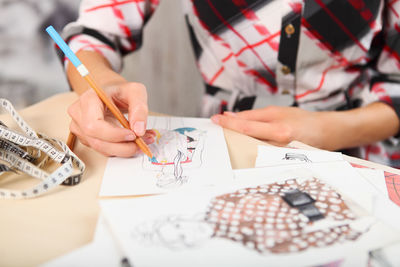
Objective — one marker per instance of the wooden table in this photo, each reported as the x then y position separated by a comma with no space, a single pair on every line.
36,230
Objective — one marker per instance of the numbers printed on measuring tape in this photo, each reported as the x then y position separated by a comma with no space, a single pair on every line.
22,152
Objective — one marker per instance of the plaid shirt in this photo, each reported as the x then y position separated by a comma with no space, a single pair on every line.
314,54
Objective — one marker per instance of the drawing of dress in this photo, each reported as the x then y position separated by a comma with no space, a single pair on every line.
175,150
260,219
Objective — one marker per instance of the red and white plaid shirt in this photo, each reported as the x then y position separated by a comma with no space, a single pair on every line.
314,54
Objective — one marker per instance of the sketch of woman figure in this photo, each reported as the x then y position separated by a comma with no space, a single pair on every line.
175,231
260,219
175,150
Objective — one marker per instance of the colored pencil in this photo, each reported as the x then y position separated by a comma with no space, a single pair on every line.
84,72
71,141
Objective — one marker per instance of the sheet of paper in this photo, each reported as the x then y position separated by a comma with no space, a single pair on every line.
343,176
275,156
338,173
376,178
356,259
101,252
190,152
387,211
246,224
387,256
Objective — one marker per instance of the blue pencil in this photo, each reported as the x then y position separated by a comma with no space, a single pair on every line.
84,72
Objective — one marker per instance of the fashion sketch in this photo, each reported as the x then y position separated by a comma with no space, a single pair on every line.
296,156
175,150
283,217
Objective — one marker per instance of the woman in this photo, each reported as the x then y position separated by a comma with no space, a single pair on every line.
335,65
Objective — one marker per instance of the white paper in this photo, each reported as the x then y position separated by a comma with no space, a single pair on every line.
387,211
343,176
376,178
191,152
339,174
101,252
275,156
356,259
386,257
170,230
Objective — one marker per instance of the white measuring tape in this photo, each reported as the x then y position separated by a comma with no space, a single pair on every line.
28,152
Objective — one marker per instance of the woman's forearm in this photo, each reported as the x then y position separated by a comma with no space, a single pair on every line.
344,129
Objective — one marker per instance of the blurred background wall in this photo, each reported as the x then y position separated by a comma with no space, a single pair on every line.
30,71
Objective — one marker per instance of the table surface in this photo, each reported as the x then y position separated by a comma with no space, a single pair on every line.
36,230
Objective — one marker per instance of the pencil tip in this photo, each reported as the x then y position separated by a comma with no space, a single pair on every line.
154,160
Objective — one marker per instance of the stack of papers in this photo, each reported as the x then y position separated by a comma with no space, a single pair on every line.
205,214
241,224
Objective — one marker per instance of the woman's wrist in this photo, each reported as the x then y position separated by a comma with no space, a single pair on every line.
357,127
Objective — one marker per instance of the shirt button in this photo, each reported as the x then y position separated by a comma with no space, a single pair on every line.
285,92
289,29
285,69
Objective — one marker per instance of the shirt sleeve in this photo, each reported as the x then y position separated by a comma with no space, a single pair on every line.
110,27
386,83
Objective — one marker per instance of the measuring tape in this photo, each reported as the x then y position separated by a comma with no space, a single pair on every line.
28,152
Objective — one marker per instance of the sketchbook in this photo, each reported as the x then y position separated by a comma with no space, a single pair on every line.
189,152
283,219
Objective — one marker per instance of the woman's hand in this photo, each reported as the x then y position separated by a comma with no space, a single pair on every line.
277,125
96,127
331,130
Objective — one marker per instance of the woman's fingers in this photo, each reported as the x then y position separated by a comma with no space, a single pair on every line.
264,114
90,121
120,149
136,98
92,124
275,132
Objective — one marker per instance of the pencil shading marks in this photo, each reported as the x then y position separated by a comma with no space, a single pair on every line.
174,151
296,156
260,219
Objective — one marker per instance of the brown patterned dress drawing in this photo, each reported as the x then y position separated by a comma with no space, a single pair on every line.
282,217
261,219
